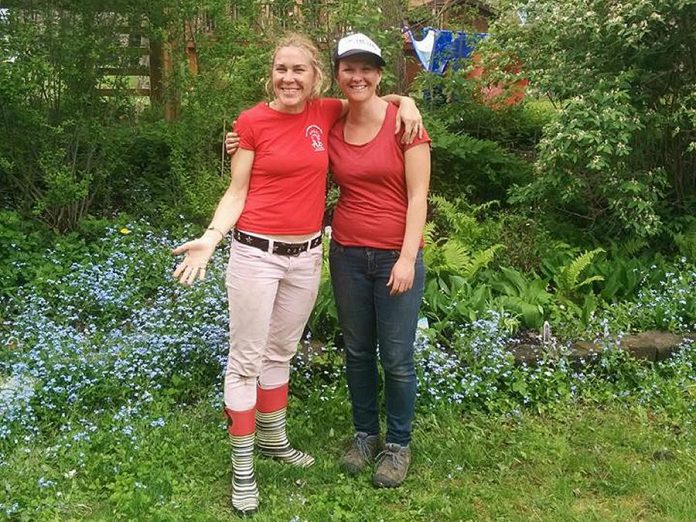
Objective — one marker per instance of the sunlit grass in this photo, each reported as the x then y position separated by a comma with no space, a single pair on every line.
574,463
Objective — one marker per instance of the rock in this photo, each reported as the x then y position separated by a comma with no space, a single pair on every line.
650,346
663,454
659,345
583,352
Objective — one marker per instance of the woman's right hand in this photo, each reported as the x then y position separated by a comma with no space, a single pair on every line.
198,253
231,142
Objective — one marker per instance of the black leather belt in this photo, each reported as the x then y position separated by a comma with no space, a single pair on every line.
279,247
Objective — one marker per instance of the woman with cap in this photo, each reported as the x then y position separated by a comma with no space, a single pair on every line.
376,259
274,205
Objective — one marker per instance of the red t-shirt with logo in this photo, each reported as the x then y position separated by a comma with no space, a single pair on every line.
287,186
371,209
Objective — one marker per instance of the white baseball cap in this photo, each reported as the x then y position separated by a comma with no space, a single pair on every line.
358,43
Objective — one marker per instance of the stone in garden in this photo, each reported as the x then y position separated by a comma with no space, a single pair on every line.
659,345
583,352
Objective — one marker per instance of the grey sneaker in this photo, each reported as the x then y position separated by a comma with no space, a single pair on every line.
362,451
392,466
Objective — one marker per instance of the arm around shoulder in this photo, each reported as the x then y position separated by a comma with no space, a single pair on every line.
409,115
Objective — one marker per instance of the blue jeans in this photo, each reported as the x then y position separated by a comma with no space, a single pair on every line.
370,317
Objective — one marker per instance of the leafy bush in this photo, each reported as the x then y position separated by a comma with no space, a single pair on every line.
457,247
55,127
20,243
525,297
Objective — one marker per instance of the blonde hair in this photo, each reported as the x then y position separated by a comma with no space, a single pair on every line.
301,42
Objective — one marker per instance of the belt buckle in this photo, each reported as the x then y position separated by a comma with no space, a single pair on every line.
295,250
290,249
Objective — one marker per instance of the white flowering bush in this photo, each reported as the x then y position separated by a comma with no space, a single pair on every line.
620,156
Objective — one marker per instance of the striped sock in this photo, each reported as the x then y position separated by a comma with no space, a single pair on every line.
245,495
271,435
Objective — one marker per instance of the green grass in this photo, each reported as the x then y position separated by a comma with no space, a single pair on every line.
584,463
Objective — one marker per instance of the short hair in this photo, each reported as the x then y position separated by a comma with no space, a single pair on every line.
301,42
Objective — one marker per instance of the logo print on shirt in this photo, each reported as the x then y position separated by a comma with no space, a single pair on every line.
314,133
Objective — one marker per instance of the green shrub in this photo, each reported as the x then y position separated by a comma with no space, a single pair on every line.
464,165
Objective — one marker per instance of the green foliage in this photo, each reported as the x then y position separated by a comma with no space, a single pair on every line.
621,275
454,99
462,164
55,128
587,166
665,299
323,323
685,238
456,249
478,150
521,295
619,159
20,245
525,238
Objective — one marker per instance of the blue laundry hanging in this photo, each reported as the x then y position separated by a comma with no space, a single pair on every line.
440,48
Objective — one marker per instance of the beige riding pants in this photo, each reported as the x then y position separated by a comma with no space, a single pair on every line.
270,299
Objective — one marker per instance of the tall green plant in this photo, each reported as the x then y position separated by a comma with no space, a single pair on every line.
568,280
525,296
574,296
457,248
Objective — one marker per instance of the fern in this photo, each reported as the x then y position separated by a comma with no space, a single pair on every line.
460,220
453,258
429,234
568,280
629,248
482,259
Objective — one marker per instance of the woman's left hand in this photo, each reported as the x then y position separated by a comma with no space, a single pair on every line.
410,117
401,277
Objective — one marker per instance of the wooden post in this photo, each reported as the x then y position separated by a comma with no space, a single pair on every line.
160,74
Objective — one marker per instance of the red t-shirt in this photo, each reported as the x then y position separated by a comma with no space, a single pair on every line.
288,177
371,209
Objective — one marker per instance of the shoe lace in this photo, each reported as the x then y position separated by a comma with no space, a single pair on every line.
361,445
394,458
